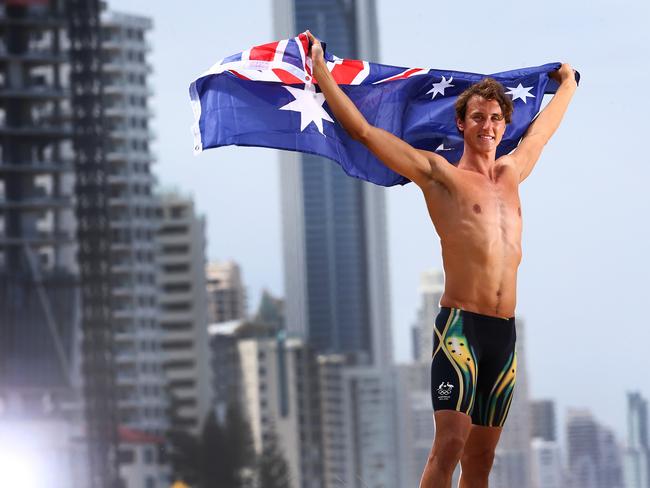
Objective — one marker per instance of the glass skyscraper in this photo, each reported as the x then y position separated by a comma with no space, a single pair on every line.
334,226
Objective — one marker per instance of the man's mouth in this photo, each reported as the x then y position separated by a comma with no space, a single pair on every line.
486,138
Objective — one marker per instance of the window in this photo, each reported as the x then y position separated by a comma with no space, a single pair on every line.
177,326
176,345
149,455
125,456
177,287
176,268
176,249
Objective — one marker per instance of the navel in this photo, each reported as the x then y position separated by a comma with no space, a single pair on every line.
477,208
519,211
498,293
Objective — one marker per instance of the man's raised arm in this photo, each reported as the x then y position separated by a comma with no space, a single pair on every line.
546,123
416,165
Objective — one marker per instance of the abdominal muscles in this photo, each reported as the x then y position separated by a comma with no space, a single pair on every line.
481,259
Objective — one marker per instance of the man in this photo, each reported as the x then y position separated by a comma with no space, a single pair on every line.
476,211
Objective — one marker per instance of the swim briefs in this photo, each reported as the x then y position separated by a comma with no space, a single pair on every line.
474,365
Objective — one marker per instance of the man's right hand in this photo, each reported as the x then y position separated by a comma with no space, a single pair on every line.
315,48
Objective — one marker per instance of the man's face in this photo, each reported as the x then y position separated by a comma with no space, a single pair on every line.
484,124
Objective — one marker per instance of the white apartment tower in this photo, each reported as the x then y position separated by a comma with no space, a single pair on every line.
183,311
594,455
546,464
142,402
275,380
415,425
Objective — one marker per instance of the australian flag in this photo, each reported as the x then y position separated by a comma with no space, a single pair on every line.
266,96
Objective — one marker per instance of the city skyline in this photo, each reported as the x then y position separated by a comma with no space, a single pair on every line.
310,407
570,262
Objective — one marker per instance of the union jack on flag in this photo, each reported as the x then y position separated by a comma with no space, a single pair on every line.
266,96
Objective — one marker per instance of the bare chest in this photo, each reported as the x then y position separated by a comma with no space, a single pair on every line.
477,211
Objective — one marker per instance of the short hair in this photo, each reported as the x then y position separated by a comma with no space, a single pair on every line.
490,89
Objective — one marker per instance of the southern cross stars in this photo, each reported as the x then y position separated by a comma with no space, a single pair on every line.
310,105
520,92
440,87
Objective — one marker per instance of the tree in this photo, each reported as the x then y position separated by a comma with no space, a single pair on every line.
226,450
183,449
273,469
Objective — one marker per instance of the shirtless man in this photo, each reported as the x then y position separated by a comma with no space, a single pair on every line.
476,211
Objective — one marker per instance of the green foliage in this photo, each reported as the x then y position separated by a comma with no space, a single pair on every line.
272,467
221,457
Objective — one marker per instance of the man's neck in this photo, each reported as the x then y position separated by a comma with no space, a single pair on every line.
479,162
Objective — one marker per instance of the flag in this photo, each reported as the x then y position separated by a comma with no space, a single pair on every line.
266,96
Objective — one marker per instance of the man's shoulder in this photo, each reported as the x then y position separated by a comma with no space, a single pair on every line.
506,165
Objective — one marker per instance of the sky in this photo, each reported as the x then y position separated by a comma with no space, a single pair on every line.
583,283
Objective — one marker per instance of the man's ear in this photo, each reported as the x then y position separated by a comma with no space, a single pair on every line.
460,124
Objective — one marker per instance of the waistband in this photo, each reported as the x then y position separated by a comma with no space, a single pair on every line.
479,316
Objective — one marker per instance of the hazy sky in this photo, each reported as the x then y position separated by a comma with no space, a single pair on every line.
583,283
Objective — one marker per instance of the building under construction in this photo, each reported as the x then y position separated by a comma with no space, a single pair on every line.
55,296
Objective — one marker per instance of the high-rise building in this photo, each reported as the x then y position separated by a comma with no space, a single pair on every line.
432,286
226,292
40,308
275,380
546,468
336,271
183,311
54,226
415,427
94,234
334,226
41,410
512,460
583,449
594,455
637,450
546,464
543,419
359,437
140,380
611,466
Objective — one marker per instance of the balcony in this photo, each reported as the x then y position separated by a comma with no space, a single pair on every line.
118,155
44,19
61,129
131,201
121,88
36,202
124,178
122,133
35,56
125,357
37,92
38,239
120,111
134,245
60,166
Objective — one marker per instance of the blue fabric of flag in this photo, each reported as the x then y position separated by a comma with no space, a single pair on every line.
231,110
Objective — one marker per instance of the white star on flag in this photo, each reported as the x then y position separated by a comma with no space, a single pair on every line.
520,92
310,105
440,87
